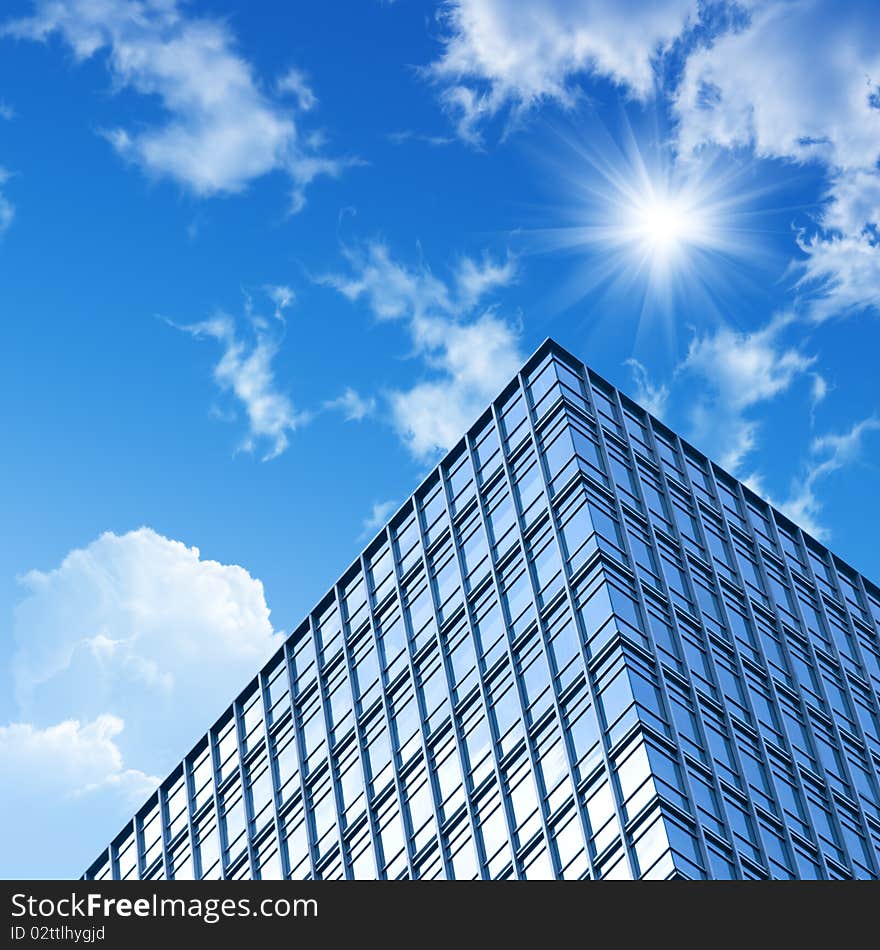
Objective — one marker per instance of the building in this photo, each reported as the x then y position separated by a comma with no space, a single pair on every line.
580,650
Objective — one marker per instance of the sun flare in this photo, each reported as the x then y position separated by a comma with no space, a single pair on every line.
665,224
658,233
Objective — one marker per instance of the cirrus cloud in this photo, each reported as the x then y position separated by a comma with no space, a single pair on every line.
245,370
739,371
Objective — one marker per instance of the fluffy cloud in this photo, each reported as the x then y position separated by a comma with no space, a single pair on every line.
800,82
121,652
474,361
245,370
474,279
738,371
499,53
72,776
140,627
391,290
222,130
470,353
84,758
795,82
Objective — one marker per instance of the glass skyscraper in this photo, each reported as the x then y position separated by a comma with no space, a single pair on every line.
580,650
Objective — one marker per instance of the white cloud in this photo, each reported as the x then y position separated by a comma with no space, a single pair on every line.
294,83
245,370
844,270
352,405
6,111
409,135
122,654
142,628
828,454
819,389
379,514
68,759
738,371
651,396
7,209
391,290
133,630
72,776
470,354
517,53
475,279
474,360
221,130
282,296
854,198
793,83
800,82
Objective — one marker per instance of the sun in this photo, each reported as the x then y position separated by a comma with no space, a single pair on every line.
654,238
664,224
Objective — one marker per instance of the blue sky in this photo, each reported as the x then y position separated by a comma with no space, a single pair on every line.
260,263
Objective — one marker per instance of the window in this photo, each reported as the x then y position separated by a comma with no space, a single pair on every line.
460,479
604,827
433,511
565,649
582,726
406,543
487,451
514,420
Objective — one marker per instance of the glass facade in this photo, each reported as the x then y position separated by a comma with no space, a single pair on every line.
580,650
